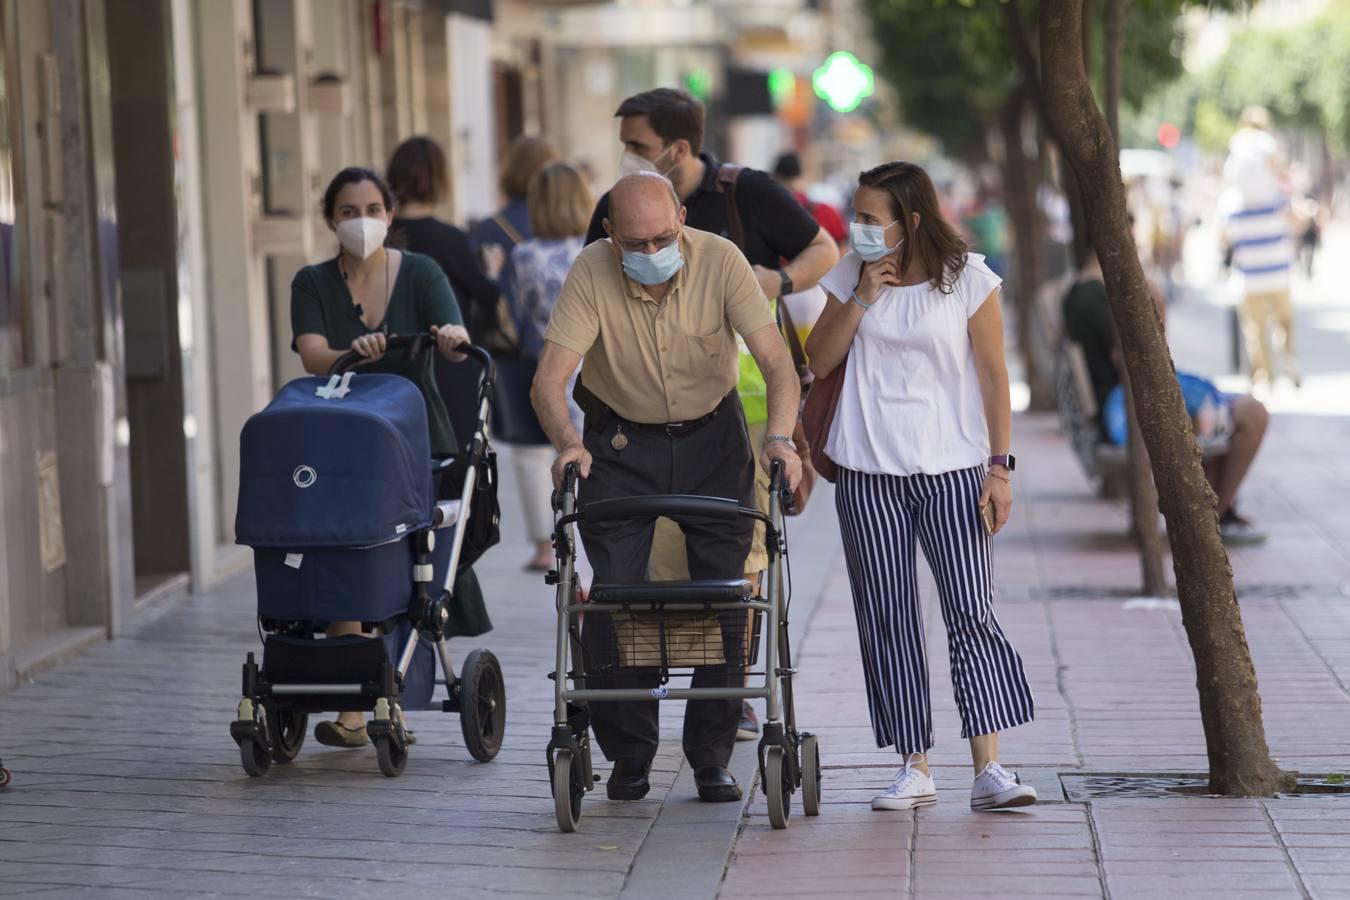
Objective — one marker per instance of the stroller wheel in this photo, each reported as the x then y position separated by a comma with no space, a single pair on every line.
4,777
287,729
254,756
482,704
567,790
810,775
392,758
778,787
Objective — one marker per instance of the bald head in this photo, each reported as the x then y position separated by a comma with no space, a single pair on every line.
643,206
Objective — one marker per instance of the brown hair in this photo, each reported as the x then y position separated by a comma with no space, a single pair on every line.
354,175
525,156
416,171
939,246
673,115
560,203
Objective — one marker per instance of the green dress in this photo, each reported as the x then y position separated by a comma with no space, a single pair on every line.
421,297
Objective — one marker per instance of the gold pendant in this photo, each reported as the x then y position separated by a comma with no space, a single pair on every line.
620,440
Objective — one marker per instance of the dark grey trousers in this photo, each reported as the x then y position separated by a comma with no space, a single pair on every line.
714,461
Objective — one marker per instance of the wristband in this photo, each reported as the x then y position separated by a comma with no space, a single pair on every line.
855,299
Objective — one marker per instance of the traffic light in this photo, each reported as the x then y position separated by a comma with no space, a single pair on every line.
843,82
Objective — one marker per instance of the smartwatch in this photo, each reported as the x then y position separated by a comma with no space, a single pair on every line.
786,280
1007,460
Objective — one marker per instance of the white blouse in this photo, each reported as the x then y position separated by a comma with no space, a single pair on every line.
911,401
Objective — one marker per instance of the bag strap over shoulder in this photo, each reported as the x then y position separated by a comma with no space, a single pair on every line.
727,173
511,231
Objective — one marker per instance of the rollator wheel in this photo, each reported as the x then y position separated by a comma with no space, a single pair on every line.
287,729
392,758
482,704
778,787
810,775
567,790
254,757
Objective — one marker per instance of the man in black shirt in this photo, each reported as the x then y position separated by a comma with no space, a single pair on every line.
662,131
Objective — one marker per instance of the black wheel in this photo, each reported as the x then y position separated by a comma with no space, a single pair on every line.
254,757
4,778
778,787
482,704
287,730
567,790
392,759
810,775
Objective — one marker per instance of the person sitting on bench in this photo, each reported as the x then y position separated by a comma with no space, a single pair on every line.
1088,322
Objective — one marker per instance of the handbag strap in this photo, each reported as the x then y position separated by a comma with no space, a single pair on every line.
794,340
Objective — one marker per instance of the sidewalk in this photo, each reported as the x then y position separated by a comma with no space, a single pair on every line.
1115,694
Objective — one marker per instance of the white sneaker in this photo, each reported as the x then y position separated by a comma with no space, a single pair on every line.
912,787
997,788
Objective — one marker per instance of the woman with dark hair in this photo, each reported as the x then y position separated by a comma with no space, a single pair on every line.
417,177
924,399
354,301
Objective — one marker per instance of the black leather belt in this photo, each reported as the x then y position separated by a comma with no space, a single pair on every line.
599,415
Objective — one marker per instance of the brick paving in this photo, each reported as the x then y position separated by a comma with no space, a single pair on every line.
127,785
1115,692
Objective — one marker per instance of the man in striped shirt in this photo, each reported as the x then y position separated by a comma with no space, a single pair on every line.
1257,228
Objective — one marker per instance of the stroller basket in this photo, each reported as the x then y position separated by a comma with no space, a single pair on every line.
650,637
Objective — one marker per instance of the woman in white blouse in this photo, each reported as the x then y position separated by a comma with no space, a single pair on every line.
915,318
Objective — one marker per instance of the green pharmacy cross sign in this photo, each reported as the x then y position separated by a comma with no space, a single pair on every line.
843,82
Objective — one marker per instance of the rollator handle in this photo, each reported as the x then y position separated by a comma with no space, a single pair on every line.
571,475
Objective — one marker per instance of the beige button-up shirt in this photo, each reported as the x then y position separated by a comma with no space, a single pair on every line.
668,361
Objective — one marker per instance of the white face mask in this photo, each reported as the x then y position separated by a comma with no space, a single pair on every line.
630,163
362,237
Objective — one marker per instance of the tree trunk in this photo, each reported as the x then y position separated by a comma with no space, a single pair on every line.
1230,705
1143,494
1019,188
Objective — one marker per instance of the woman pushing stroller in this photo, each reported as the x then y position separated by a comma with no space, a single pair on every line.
355,302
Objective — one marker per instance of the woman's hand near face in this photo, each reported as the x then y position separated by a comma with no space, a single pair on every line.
875,276
371,346
448,337
998,490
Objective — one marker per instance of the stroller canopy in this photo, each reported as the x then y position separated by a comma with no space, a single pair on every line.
348,471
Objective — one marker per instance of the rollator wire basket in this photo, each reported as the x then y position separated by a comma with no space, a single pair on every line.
637,634
657,638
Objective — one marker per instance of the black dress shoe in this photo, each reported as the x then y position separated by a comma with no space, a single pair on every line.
628,781
716,785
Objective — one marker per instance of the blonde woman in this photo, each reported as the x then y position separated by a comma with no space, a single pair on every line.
559,204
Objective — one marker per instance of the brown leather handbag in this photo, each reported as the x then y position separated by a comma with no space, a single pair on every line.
818,416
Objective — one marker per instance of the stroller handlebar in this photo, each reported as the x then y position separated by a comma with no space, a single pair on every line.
416,345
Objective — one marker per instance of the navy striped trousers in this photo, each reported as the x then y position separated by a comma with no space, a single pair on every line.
880,517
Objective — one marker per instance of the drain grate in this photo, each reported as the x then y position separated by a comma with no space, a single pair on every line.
1160,785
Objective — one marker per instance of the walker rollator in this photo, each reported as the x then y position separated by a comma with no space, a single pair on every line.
338,499
662,630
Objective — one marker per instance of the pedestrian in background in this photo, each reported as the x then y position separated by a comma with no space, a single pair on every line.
560,206
787,171
417,176
916,319
493,237
1258,228
662,131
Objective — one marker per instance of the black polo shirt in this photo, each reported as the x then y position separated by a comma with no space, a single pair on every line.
776,226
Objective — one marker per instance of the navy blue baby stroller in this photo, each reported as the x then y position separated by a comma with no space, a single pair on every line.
338,499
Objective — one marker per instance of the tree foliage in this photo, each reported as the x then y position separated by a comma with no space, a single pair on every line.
1276,68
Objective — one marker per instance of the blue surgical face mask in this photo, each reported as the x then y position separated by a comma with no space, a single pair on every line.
869,241
653,268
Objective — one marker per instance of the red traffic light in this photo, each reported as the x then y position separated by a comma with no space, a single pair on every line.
1169,135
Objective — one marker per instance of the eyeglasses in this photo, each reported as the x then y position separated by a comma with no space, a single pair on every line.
660,242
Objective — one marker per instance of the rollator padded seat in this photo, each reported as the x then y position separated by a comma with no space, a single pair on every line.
658,592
